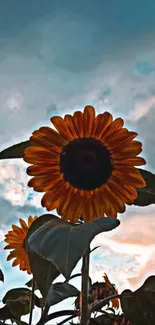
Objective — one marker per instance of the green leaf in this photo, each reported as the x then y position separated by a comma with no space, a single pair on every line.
16,151
44,271
146,195
17,293
58,241
60,291
17,303
5,313
20,306
139,306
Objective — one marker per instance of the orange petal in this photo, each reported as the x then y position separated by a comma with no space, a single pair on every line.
97,208
43,184
129,151
14,241
15,262
39,155
108,204
116,198
74,208
113,127
64,202
14,235
98,205
40,142
62,127
102,122
88,210
16,253
127,193
134,178
42,171
120,138
31,220
8,247
135,161
88,120
78,123
18,230
70,124
48,137
23,225
51,198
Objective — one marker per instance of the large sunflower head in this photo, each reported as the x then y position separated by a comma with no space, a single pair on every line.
87,167
15,239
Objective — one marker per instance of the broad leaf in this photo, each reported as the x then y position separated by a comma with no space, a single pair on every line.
15,293
139,306
20,306
146,195
1,276
110,319
58,241
60,291
17,303
5,313
19,293
16,151
44,271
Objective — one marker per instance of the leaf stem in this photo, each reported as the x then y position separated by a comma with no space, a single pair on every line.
85,290
44,316
32,301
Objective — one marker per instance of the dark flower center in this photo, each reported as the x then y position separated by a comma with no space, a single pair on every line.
85,163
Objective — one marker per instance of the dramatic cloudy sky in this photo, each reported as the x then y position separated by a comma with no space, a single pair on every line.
56,56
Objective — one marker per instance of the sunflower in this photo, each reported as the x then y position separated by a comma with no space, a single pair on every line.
86,167
115,301
15,239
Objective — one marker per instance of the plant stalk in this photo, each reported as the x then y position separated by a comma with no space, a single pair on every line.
32,301
85,289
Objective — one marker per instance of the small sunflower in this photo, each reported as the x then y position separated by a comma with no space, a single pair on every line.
115,302
86,167
15,239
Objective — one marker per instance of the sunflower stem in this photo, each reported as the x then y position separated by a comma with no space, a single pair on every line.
85,289
32,301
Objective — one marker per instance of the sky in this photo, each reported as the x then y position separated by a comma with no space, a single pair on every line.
56,57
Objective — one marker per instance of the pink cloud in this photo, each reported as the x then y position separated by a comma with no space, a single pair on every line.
141,109
148,269
138,229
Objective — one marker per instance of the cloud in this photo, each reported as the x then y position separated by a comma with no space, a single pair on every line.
61,58
11,214
136,228
141,109
121,261
146,271
127,253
